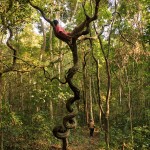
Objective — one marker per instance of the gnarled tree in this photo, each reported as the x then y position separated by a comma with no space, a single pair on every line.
69,122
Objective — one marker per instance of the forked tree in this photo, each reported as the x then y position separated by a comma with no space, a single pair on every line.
69,122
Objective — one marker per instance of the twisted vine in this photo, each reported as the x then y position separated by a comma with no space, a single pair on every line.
69,121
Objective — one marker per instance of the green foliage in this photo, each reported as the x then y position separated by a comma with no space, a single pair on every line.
146,36
141,137
15,14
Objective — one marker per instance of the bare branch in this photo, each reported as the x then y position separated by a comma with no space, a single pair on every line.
42,13
87,38
119,28
85,60
56,78
79,30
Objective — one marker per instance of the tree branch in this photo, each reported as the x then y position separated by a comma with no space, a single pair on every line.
42,13
7,27
88,20
119,28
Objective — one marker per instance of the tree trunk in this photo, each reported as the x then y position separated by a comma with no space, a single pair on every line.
51,57
85,88
44,39
91,101
106,115
74,11
99,92
129,106
1,85
51,109
101,112
22,94
65,144
107,103
1,133
51,42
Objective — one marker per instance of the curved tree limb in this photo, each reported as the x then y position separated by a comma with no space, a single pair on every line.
42,13
7,27
87,21
120,30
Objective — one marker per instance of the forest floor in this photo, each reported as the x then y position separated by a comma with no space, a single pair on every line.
81,140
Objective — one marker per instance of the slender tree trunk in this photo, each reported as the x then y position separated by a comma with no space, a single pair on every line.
1,127
51,57
130,106
101,112
51,109
44,39
10,99
91,99
74,11
85,88
86,99
106,122
51,42
87,110
107,103
60,62
120,94
99,92
22,94
1,85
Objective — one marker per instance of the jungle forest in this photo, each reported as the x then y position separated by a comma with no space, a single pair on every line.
74,74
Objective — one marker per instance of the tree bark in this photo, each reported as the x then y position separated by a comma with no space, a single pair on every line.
51,109
43,47
1,85
65,144
129,105
1,127
91,99
85,88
